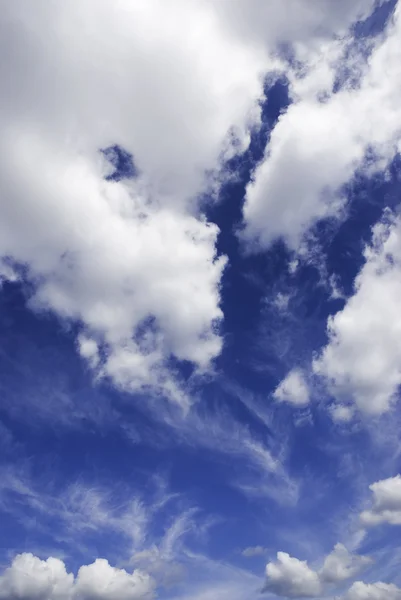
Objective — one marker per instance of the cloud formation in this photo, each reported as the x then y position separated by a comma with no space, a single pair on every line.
362,360
293,389
373,591
322,139
29,578
133,262
290,577
386,503
341,565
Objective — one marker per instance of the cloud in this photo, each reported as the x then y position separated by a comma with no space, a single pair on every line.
293,389
133,262
29,578
293,21
101,581
322,139
77,512
293,578
373,591
386,503
253,551
363,357
341,565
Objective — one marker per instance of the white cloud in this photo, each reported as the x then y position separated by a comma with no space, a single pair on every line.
134,263
29,578
386,503
341,565
100,581
295,21
373,591
362,360
33,579
317,145
292,578
293,389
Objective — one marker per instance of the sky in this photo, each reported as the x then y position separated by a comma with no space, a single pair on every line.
200,283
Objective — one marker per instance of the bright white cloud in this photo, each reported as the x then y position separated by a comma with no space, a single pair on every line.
134,263
293,389
33,579
100,581
317,145
373,591
362,360
386,503
29,578
172,83
292,578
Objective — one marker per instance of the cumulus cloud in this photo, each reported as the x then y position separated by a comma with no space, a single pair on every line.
293,389
133,262
293,578
341,565
373,591
101,581
29,578
362,360
177,86
386,503
321,140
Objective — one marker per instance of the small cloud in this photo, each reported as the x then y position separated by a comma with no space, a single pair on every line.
253,551
340,413
293,389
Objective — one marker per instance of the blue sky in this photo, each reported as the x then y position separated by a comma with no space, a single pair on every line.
200,267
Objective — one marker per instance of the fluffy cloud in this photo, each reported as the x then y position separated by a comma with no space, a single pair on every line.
362,360
293,389
373,591
100,581
386,503
321,140
341,565
29,578
134,263
293,578
33,579
174,84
